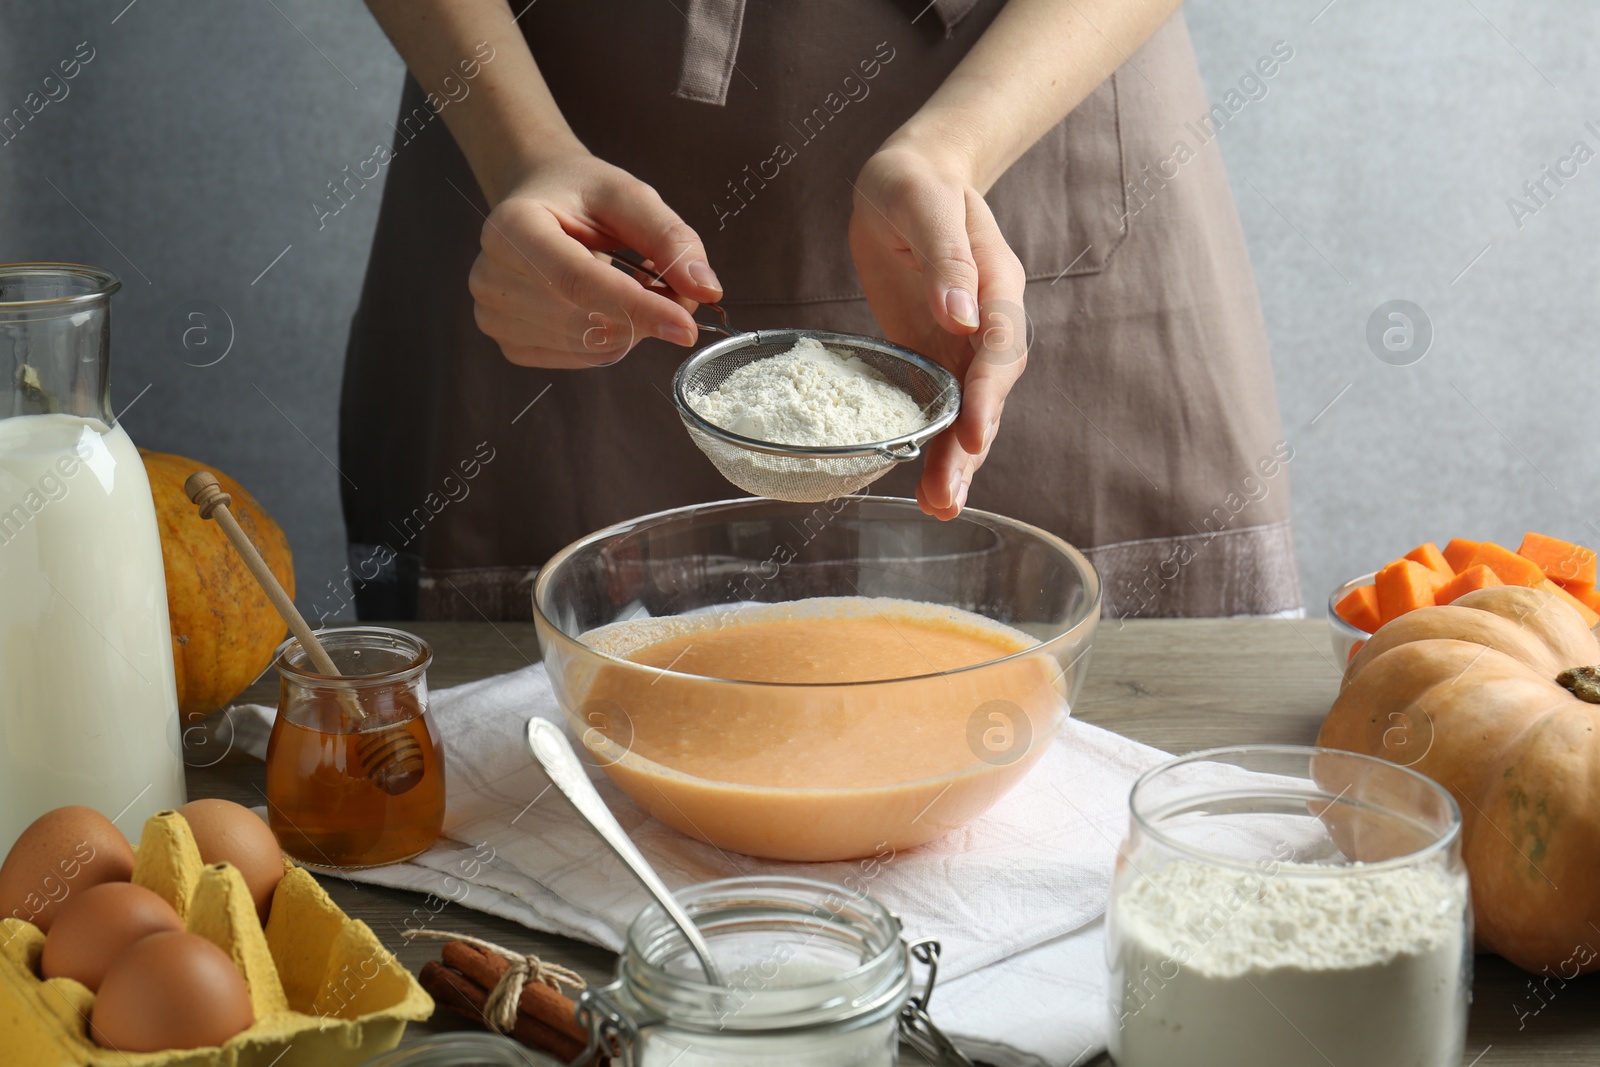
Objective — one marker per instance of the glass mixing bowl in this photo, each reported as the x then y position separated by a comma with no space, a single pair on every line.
977,730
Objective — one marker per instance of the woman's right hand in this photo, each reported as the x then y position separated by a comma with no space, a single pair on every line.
548,299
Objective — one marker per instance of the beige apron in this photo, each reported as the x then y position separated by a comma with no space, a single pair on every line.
1145,429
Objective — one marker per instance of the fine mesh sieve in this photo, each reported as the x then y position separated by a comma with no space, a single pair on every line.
799,473
806,474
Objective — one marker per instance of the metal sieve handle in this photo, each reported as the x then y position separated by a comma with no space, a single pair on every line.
628,260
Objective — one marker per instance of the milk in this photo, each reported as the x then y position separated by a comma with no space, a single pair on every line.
88,700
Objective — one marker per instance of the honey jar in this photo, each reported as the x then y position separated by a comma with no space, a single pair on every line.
355,769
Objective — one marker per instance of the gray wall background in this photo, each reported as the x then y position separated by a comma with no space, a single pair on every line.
1377,167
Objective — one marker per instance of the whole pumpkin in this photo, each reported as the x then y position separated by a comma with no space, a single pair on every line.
1497,698
224,629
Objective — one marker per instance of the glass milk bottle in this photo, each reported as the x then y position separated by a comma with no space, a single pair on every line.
88,702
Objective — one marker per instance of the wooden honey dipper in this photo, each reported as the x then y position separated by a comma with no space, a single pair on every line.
391,757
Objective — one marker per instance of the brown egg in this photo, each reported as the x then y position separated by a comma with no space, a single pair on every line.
95,926
169,991
62,852
231,833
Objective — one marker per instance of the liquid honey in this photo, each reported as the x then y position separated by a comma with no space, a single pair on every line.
325,805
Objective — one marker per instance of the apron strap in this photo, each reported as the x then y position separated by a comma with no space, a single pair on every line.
951,12
711,44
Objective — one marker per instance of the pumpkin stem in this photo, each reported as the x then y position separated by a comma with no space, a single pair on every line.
1584,683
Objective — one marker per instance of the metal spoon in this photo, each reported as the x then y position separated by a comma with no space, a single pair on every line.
554,753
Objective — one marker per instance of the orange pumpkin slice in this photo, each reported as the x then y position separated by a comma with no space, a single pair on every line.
1587,595
1590,617
1458,552
1479,577
1429,556
1406,585
1560,560
1509,567
1360,609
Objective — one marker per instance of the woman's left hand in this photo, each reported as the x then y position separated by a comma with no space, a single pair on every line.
942,281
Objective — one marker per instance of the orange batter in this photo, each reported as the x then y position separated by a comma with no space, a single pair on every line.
886,720
840,647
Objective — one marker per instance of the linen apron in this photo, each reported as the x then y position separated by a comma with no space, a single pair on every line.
1145,429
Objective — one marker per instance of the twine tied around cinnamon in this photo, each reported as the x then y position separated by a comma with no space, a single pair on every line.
500,1010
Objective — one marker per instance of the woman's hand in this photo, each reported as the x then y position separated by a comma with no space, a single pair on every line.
943,282
544,295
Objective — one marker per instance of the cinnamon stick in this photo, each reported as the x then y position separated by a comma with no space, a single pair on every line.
465,997
538,1000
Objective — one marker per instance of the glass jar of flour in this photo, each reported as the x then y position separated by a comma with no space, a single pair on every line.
1285,905
817,976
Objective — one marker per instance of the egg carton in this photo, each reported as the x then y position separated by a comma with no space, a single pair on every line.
324,989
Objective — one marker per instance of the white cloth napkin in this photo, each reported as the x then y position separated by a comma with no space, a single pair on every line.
1014,898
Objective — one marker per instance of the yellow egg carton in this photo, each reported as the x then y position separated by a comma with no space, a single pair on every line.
324,989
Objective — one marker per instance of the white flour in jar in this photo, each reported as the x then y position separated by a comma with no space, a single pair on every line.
1215,967
810,396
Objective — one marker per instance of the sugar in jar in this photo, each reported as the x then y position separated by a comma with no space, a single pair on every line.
816,976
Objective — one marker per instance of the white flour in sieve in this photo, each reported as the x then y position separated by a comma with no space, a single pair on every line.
1215,967
809,396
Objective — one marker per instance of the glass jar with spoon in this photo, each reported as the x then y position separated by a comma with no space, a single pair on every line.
355,769
349,791
748,970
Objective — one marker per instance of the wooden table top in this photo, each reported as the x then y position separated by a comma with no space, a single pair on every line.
1178,684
